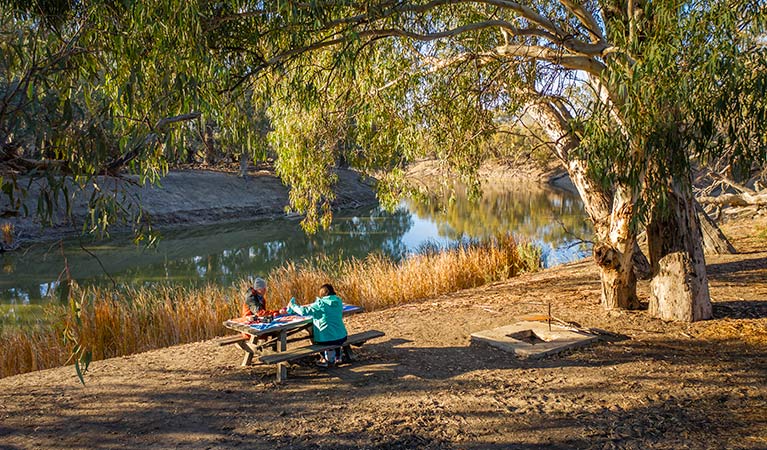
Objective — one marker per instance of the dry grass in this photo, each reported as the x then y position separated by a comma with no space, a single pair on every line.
7,231
377,282
118,323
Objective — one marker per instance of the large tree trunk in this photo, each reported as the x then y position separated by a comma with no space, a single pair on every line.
611,212
614,254
680,286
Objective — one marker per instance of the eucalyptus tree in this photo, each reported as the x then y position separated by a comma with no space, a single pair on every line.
626,92
93,90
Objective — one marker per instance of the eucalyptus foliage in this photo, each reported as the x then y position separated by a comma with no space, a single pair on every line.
93,90
643,86
93,87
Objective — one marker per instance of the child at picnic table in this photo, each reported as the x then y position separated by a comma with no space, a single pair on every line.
327,322
254,299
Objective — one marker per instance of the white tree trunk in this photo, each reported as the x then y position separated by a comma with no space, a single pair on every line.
680,286
611,212
614,254
677,294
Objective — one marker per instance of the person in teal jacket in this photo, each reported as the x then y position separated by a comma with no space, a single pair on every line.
327,321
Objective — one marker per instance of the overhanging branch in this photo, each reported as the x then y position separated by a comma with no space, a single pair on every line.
538,52
572,54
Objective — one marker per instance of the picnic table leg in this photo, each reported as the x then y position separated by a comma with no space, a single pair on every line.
282,368
247,347
348,353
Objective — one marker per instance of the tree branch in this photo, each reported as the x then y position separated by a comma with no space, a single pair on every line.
586,18
587,64
548,29
114,166
744,199
180,118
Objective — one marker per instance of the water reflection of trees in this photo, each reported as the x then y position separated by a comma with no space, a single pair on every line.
553,216
224,254
220,254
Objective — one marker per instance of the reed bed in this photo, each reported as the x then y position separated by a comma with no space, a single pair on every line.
122,322
376,282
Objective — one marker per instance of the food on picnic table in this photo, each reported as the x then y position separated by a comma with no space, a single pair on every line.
267,313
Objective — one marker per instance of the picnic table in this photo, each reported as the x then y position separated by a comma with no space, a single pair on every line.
272,338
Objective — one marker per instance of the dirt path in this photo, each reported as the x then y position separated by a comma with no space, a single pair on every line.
424,386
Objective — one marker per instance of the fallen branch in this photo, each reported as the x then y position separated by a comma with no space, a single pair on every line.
725,180
744,199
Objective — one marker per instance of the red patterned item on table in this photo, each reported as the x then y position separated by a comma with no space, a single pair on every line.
245,320
288,318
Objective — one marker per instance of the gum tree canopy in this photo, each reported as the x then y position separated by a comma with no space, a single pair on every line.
626,93
93,90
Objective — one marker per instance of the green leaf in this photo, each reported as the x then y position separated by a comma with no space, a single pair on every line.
79,372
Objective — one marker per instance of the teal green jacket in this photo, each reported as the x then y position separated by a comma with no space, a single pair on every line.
327,317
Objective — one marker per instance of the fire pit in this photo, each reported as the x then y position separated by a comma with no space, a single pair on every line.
534,339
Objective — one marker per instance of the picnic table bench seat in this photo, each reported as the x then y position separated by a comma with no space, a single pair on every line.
231,340
356,340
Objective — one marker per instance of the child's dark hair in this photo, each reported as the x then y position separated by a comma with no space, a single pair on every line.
327,289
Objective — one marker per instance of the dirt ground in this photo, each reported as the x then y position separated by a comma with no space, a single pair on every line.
425,386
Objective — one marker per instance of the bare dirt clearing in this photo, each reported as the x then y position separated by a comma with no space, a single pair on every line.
667,385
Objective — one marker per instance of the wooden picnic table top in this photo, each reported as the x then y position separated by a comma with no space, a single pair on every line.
279,324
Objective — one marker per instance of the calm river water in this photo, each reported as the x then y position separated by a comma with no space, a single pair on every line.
224,254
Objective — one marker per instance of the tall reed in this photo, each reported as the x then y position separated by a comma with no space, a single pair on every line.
116,323
376,282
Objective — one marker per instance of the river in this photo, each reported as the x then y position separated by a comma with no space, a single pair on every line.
225,254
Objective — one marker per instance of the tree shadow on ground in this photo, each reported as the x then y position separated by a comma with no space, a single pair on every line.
509,403
441,363
745,309
721,269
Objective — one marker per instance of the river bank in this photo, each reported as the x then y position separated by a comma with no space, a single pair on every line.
424,385
429,173
192,198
